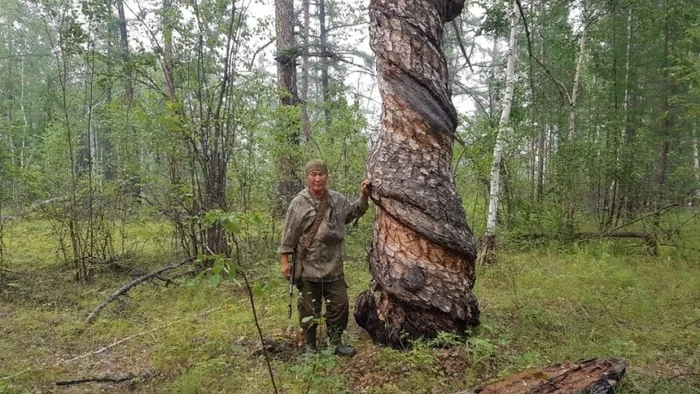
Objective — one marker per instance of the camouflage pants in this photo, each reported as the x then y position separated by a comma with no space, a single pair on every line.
313,295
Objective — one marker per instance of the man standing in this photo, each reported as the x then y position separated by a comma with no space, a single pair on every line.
314,230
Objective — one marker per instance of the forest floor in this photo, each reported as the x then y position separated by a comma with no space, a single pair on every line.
539,306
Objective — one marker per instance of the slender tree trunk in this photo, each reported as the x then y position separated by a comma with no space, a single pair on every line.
288,183
573,101
577,74
492,79
168,50
304,90
423,252
107,138
542,136
323,36
621,156
668,119
696,165
124,43
489,245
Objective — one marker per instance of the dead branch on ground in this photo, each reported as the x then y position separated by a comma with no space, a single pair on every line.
124,289
601,376
104,379
650,240
119,342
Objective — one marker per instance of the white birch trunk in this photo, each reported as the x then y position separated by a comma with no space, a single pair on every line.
577,74
495,186
492,78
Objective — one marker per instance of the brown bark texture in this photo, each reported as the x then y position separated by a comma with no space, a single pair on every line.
288,184
286,52
423,251
592,376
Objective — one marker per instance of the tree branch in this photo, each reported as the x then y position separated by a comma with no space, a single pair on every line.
461,44
131,284
104,379
560,86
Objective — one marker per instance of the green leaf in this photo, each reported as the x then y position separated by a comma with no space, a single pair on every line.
214,280
218,266
234,226
307,319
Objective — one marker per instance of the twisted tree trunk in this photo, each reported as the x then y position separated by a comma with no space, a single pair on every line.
423,252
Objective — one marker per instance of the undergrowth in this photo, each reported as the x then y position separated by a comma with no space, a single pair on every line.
541,305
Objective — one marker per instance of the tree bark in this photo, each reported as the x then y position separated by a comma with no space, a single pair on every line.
593,376
423,251
168,23
288,184
124,43
487,256
304,89
577,73
696,164
617,188
323,36
542,137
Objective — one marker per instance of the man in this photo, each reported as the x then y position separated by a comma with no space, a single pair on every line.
319,246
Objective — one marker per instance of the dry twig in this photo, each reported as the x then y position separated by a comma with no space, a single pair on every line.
133,283
104,379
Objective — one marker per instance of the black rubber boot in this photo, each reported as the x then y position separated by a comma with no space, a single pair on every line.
310,340
337,343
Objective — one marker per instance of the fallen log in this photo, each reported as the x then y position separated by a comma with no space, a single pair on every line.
592,376
133,283
104,379
650,240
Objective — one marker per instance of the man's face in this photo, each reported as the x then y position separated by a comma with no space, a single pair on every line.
316,180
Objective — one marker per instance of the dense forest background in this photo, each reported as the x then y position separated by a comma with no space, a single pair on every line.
134,134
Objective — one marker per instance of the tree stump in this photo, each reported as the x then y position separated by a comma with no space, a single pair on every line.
592,376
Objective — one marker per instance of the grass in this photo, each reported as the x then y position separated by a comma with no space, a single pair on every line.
539,306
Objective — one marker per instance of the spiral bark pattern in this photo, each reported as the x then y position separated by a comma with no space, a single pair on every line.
423,251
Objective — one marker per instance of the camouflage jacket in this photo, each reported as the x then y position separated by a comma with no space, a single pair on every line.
324,258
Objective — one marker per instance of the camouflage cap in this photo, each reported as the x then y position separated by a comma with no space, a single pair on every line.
315,165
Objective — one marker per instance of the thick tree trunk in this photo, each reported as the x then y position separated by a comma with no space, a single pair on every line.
288,184
423,252
487,251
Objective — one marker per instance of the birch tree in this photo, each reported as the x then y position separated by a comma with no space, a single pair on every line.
423,251
487,256
577,74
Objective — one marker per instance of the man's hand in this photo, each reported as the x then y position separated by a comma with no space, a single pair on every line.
365,186
285,267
